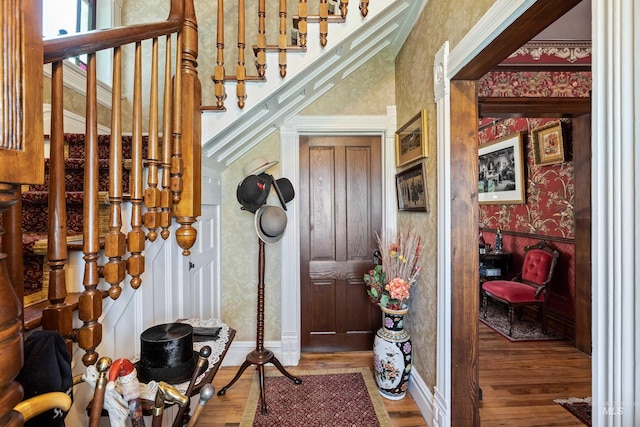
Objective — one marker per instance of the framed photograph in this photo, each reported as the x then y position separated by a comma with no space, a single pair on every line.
501,171
548,144
411,140
411,189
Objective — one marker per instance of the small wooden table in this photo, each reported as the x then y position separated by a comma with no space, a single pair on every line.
494,266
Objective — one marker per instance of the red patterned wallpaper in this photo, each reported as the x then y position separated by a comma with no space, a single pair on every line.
549,206
549,203
538,84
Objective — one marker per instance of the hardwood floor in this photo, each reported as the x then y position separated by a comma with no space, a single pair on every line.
519,381
226,411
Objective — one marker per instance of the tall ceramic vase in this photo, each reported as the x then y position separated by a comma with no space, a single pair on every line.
392,355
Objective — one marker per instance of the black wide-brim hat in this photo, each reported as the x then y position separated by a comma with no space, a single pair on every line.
166,354
284,190
253,191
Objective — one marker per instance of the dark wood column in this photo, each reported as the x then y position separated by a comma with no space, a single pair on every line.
464,253
582,216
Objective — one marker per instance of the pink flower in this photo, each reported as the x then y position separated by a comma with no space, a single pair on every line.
398,289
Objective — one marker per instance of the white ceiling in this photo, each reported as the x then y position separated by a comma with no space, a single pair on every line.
574,25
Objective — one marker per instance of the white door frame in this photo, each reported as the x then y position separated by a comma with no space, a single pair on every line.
385,127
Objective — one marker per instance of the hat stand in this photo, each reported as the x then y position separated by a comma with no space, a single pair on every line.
260,356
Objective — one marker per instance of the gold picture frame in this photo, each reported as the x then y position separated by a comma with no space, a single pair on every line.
548,144
411,140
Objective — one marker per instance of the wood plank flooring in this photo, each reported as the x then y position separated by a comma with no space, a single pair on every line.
226,411
519,381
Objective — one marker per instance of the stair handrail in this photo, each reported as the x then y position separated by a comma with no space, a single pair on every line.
182,185
70,45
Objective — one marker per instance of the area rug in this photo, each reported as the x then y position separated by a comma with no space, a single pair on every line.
523,329
580,408
328,397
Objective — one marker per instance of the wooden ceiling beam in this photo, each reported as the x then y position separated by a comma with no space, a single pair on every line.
533,107
538,17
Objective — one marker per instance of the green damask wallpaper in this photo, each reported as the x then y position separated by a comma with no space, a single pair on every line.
441,20
366,91
405,81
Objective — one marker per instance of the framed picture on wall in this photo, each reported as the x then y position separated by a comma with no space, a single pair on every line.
411,140
548,144
501,171
411,189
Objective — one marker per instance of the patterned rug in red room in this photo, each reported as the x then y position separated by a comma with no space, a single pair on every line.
580,408
327,397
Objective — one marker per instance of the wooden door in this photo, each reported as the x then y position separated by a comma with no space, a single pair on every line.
340,211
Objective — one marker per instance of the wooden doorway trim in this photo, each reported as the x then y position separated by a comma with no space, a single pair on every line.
382,125
504,28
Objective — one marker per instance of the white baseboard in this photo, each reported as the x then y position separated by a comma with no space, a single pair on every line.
422,396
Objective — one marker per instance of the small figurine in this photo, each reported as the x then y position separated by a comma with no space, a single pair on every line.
497,245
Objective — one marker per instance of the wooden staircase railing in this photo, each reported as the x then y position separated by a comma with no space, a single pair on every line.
326,14
173,175
179,192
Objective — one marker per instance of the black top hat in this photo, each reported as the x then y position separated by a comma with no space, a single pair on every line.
285,191
166,353
253,191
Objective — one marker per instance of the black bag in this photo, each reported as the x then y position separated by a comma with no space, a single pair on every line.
47,367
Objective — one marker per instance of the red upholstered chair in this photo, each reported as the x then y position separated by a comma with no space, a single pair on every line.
529,288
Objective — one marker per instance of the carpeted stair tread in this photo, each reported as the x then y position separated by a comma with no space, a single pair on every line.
35,211
43,197
29,240
75,143
35,200
74,175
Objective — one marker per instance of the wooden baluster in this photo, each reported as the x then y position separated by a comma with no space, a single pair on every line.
364,7
344,8
189,207
241,90
302,23
324,23
177,165
282,39
58,316
136,236
90,303
165,193
115,240
152,193
218,72
261,56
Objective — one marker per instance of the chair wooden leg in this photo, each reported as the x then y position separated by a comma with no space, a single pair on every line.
485,303
512,315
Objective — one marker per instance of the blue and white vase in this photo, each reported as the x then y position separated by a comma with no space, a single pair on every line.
392,355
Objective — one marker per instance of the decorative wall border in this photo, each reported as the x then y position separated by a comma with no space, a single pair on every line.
551,52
